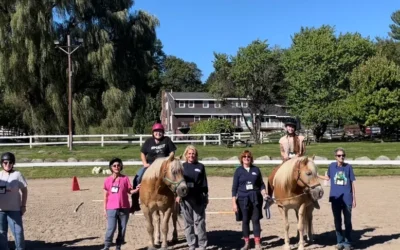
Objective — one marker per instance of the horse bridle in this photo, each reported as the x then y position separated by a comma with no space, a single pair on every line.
307,188
174,184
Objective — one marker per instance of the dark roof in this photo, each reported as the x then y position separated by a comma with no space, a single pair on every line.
272,110
191,95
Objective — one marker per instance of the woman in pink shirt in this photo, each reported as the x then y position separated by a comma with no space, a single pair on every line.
117,187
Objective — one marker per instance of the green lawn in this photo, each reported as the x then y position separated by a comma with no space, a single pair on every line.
353,150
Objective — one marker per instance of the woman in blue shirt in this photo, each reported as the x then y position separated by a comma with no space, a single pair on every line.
248,191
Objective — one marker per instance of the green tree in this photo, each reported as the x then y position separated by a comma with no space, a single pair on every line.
180,75
253,75
395,27
317,67
375,93
212,126
390,49
109,72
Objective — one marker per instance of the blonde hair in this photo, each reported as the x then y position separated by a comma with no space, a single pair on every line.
190,147
153,171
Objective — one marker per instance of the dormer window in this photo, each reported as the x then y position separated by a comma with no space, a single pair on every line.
217,105
244,105
181,104
205,104
191,104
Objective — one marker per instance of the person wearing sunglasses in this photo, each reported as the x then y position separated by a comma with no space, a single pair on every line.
248,192
157,146
13,197
117,188
342,197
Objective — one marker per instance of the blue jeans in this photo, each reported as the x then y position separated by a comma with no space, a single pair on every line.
339,207
138,178
116,217
12,219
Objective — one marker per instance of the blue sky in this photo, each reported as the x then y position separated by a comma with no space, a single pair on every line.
193,30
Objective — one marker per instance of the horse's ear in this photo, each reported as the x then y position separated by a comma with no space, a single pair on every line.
313,157
171,158
182,158
304,160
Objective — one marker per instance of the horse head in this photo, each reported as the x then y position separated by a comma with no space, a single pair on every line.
305,174
172,176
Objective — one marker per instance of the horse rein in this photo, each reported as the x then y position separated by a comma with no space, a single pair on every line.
175,184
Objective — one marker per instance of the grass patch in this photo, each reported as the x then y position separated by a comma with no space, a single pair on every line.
129,152
222,171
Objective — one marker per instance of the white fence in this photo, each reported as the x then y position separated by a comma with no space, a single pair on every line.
35,140
208,163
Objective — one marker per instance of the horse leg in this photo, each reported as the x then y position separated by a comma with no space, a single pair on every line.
150,229
156,223
308,220
164,228
174,221
283,211
300,226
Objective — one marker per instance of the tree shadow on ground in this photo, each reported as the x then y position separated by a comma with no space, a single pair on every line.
62,245
328,239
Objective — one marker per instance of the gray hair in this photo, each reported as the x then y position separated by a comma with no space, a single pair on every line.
339,149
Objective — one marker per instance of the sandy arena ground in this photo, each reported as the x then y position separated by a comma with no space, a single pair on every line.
50,221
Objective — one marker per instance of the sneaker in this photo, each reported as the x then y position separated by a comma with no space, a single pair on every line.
339,247
105,248
348,248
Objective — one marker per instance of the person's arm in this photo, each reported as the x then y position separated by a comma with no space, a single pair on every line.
235,186
328,177
260,180
144,160
24,192
353,186
303,146
105,202
171,147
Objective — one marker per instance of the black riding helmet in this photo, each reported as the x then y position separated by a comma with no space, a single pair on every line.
7,156
291,122
114,160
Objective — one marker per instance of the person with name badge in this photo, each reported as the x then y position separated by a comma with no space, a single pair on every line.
248,193
194,204
291,144
342,198
117,188
13,198
157,146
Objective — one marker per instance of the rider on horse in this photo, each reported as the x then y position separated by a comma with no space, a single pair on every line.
291,145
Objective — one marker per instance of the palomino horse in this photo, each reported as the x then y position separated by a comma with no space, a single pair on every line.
296,186
161,183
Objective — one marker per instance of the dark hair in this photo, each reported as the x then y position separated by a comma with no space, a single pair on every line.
114,160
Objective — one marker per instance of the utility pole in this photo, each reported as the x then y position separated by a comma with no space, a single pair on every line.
69,50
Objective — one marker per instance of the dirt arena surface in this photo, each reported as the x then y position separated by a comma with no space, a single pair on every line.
50,221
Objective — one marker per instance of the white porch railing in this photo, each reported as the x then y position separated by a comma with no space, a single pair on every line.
34,140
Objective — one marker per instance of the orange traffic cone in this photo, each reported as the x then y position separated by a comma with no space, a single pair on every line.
75,184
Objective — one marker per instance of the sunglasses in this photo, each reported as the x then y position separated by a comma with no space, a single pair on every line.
116,165
340,155
247,156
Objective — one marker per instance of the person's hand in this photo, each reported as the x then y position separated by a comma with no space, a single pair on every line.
146,165
178,199
234,207
105,213
354,203
266,197
23,210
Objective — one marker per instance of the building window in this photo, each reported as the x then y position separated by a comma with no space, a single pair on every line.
238,104
181,104
244,105
217,104
196,118
241,119
191,104
166,106
205,104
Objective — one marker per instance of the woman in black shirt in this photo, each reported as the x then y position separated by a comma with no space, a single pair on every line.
194,204
248,191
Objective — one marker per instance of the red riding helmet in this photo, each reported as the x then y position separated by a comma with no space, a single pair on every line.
157,126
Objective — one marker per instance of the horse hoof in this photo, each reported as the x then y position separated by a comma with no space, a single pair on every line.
151,248
164,248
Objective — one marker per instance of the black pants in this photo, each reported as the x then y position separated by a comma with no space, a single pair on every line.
250,212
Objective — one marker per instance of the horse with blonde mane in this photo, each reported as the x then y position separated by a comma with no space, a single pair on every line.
160,185
296,186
